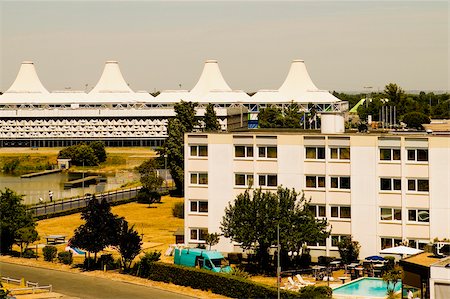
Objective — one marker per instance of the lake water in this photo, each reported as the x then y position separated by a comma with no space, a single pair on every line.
34,188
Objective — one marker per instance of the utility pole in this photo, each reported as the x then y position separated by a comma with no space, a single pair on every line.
278,257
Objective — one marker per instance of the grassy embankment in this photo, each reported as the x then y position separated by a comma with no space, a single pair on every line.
156,223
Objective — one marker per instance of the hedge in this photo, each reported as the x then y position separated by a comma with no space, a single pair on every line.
224,284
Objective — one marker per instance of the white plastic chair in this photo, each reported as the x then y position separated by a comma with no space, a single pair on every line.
303,282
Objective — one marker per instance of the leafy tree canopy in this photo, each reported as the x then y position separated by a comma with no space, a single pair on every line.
85,154
415,120
251,219
210,119
129,244
348,249
15,222
101,227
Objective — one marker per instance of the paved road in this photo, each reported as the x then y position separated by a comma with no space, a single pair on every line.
82,286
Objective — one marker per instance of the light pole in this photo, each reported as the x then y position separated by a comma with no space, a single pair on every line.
83,179
278,259
165,170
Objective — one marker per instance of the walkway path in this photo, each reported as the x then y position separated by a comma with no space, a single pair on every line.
83,286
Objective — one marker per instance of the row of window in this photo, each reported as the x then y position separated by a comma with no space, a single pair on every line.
340,212
393,184
394,154
414,215
199,235
386,242
336,182
386,214
315,153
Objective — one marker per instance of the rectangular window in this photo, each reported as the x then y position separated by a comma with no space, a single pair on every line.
313,181
199,206
198,234
269,152
390,154
242,151
199,151
243,179
389,214
390,184
342,182
318,210
420,155
315,153
341,212
199,178
335,239
388,242
419,185
269,180
340,153
419,215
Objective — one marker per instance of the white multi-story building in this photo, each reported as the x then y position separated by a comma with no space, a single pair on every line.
380,188
30,115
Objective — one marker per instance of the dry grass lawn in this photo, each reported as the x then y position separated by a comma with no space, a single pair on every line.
156,223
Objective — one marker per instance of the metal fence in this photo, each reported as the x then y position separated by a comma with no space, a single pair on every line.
81,202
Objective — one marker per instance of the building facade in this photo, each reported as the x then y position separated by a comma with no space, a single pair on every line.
382,189
32,116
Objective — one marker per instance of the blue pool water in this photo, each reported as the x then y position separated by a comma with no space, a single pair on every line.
367,286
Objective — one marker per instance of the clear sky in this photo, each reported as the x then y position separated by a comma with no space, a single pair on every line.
346,45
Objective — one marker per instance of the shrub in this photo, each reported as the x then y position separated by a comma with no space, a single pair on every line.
29,253
222,283
148,197
65,257
142,267
239,273
318,292
305,260
89,263
324,260
49,253
178,210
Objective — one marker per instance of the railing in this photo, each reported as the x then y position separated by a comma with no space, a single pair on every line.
30,286
81,202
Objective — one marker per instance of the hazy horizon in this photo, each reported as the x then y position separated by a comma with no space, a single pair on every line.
346,45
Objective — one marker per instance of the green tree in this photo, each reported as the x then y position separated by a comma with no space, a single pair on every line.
270,117
392,277
101,227
212,239
185,113
211,122
251,219
184,121
150,181
348,249
415,120
129,244
292,116
99,150
25,236
394,93
80,154
15,222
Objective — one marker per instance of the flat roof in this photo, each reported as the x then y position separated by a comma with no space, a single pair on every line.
423,259
283,131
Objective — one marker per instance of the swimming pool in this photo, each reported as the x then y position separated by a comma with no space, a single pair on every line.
368,286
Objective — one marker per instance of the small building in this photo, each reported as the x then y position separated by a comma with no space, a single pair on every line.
179,235
64,163
427,276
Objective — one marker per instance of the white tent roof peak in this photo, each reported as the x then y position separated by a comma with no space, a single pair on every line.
210,79
27,80
297,80
111,80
